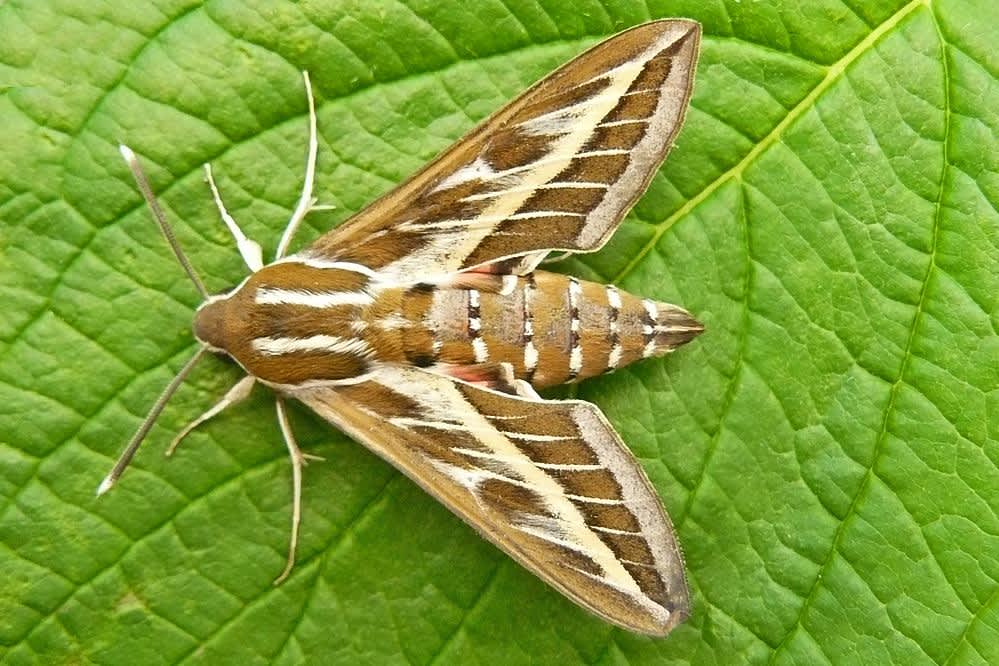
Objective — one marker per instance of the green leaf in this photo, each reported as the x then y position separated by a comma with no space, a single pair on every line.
829,449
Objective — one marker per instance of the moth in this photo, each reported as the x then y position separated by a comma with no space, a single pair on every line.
421,326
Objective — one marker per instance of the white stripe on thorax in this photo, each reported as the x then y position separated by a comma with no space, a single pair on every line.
314,299
276,346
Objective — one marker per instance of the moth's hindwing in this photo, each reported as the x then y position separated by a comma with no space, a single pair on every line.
549,482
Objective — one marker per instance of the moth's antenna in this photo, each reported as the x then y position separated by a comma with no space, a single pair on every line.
154,208
147,423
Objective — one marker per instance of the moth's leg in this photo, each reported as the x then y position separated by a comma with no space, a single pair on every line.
236,394
298,460
306,203
250,250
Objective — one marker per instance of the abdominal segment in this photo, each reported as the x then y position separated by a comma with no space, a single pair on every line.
550,328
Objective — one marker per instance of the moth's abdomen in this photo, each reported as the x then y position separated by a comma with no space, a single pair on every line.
551,328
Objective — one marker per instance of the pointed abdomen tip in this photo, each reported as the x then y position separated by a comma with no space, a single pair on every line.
676,326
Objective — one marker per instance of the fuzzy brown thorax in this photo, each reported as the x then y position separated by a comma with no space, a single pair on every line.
291,323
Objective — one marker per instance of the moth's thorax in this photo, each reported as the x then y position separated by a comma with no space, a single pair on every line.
292,323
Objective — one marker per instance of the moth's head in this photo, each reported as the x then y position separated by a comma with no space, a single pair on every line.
210,323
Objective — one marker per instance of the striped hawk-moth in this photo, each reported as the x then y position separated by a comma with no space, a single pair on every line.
422,327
